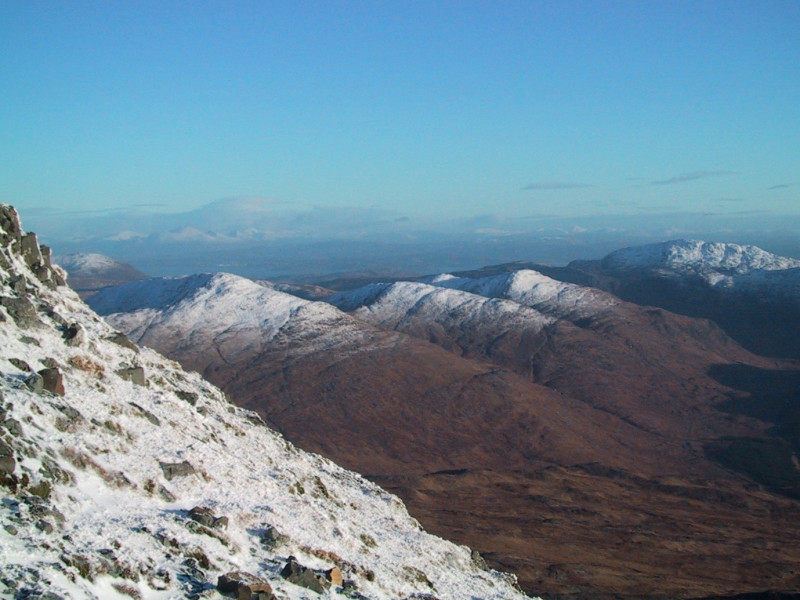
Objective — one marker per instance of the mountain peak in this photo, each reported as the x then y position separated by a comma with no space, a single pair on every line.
698,255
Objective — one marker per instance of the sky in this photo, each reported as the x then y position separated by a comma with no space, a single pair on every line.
430,111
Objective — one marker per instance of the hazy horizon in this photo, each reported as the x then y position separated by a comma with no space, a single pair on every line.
419,127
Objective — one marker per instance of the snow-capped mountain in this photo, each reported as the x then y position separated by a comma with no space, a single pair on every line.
532,289
698,256
527,432
405,305
124,476
752,294
89,272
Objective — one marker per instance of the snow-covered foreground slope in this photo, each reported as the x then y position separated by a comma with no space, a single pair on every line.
99,478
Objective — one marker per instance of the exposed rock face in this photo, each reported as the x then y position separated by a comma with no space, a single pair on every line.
245,586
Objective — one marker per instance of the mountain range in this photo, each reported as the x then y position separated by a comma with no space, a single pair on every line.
595,445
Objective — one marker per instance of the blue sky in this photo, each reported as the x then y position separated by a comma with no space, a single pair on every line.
438,110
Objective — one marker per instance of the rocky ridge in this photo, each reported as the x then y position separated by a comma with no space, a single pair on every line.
124,476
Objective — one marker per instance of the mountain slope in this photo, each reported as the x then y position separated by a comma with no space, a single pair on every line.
106,451
752,294
599,488
89,272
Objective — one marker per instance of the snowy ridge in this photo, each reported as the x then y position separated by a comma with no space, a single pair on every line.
696,255
236,316
98,480
87,262
398,304
531,288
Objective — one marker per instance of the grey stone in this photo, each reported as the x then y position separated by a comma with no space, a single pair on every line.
75,335
21,310
244,586
297,574
189,397
271,538
18,283
133,374
120,339
13,427
146,414
10,227
7,461
35,383
173,470
205,516
29,248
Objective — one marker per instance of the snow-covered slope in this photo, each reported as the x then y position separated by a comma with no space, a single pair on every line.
99,478
227,314
402,304
698,256
531,288
90,272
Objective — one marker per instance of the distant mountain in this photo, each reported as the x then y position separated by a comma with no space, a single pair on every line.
752,294
123,476
595,447
89,272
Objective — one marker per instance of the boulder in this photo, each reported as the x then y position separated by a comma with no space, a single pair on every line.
21,310
205,516
133,374
271,538
29,248
305,577
120,339
244,586
10,226
173,470
75,334
7,461
52,381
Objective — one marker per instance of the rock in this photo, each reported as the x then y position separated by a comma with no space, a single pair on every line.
297,574
52,381
205,516
334,575
7,461
20,364
478,560
173,470
189,397
13,427
29,248
146,414
75,335
18,283
244,586
21,310
133,374
35,383
10,226
271,538
120,339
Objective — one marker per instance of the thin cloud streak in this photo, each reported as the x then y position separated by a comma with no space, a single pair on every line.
691,177
555,185
781,186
